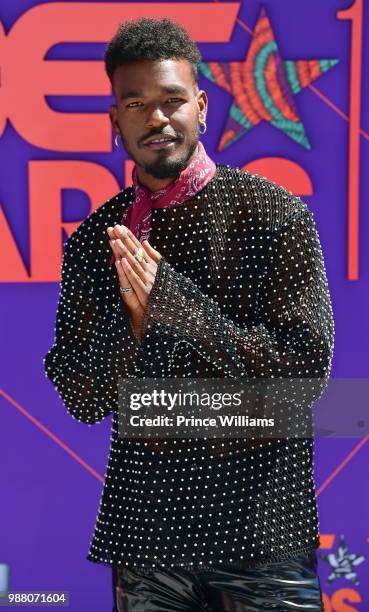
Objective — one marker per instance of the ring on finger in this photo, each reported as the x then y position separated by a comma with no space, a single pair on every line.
139,254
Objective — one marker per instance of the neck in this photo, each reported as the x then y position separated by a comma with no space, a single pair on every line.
155,184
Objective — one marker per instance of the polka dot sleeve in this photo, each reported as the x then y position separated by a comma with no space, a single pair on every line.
86,359
293,336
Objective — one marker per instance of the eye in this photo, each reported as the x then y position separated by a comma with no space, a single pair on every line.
138,104
133,104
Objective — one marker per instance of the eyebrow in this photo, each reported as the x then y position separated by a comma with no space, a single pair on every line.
169,89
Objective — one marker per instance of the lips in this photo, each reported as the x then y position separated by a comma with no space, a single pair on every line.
159,137
160,142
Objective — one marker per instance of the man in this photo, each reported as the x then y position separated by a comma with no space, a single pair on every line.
197,271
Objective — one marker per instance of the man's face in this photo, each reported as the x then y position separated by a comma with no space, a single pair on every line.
158,99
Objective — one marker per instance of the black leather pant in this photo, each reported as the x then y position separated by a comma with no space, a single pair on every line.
282,586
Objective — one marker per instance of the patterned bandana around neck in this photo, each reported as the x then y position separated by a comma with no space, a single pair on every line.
192,179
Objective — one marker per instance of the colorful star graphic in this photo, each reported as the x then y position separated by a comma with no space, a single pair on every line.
263,86
342,563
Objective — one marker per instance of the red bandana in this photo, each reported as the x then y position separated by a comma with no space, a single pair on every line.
137,217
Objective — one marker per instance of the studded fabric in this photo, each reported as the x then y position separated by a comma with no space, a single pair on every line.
241,291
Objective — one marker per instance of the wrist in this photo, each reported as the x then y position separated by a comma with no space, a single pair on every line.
136,324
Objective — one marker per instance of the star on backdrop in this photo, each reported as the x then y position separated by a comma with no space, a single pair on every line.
342,563
263,86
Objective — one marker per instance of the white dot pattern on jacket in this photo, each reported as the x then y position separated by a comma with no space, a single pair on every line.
241,291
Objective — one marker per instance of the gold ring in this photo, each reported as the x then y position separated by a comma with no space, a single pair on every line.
139,254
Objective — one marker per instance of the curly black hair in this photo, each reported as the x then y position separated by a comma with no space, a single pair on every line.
147,38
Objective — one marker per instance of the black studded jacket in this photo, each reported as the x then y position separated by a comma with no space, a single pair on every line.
241,292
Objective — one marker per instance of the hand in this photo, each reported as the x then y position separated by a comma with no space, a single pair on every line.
139,276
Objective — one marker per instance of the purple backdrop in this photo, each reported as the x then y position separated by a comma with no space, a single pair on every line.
50,492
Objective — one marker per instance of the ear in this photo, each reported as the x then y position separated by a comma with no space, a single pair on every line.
113,114
202,104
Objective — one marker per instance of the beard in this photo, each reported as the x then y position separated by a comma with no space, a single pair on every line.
165,167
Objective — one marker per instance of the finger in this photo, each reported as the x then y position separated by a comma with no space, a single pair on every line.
140,288
112,243
115,250
126,247
128,238
123,280
111,235
142,272
128,297
140,267
123,232
116,247
153,253
148,274
146,271
122,277
130,235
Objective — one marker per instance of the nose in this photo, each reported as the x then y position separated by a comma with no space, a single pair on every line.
156,117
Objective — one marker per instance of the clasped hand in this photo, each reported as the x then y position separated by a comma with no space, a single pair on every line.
139,276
